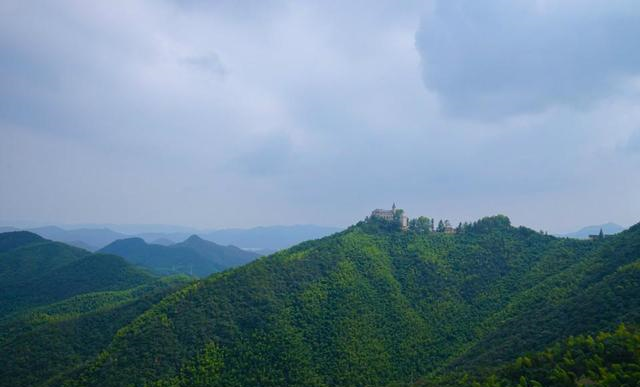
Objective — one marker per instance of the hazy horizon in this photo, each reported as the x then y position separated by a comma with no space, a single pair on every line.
133,229
242,114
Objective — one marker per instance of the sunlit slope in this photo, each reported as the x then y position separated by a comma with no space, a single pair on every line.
368,306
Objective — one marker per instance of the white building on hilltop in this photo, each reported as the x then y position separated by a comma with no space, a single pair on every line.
393,215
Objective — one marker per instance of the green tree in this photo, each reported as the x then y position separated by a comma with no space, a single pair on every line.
421,224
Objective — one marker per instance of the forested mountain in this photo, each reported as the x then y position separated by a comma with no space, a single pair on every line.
604,359
88,238
375,306
60,305
223,256
162,259
35,271
194,256
47,341
263,240
14,239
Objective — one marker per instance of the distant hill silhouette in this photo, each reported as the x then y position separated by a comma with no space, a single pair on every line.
223,256
194,256
271,238
607,229
262,240
163,242
90,239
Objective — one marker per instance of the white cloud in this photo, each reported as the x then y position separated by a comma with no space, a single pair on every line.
224,114
502,57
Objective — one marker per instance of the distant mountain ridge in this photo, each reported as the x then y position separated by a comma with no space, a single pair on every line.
194,256
607,228
36,271
262,240
90,239
270,238
223,256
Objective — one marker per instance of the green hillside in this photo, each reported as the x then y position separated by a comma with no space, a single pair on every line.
48,341
374,306
14,239
370,306
604,359
35,271
24,256
600,291
60,305
194,256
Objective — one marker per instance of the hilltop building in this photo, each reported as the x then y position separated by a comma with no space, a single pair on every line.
392,215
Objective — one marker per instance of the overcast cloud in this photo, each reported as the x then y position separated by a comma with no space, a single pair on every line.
503,57
255,113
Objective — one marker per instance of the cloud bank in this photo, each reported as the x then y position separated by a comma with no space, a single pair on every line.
246,113
497,58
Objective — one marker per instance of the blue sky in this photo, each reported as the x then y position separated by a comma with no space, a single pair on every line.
220,114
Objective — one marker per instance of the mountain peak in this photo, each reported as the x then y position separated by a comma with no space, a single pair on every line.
134,240
194,238
13,239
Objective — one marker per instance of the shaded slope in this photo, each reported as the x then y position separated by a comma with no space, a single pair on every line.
14,239
25,256
604,359
162,259
51,340
223,256
98,272
35,271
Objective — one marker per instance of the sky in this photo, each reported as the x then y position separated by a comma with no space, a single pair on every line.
245,113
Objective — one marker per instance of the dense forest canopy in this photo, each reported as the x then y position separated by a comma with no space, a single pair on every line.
370,306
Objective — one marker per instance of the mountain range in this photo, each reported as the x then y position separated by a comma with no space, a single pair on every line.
372,305
35,271
262,240
194,256
269,239
607,229
60,305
